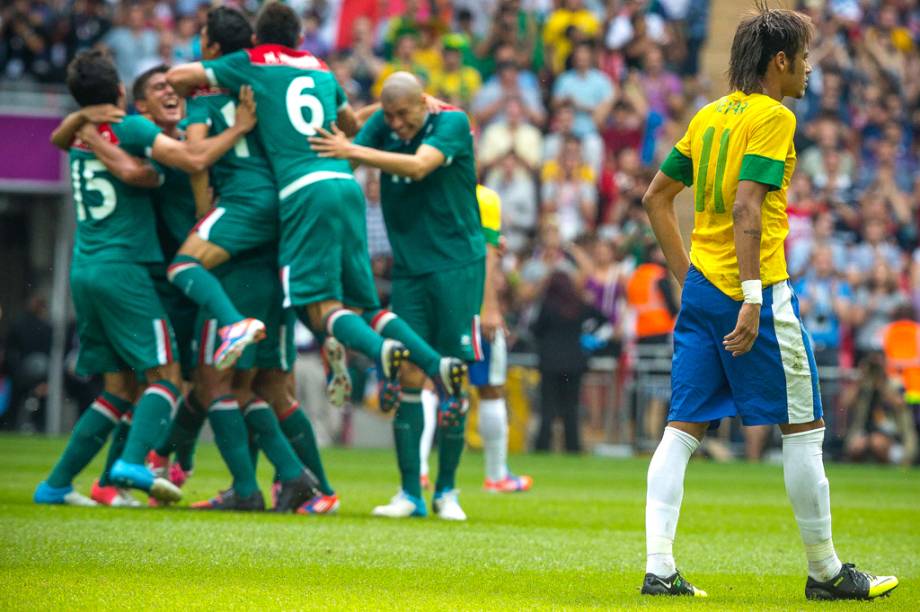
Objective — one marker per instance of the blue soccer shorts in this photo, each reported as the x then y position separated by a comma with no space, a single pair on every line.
492,369
776,382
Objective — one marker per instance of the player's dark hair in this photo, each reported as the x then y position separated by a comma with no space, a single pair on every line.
277,24
139,89
760,36
229,28
93,79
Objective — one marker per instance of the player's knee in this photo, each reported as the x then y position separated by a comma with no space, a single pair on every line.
491,392
122,385
170,372
318,311
411,376
697,430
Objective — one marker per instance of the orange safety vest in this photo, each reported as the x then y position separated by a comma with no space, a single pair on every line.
642,293
901,343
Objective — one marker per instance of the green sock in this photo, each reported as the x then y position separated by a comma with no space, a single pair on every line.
253,452
151,418
116,448
233,443
451,441
391,326
182,435
203,288
263,424
407,433
354,332
88,437
299,432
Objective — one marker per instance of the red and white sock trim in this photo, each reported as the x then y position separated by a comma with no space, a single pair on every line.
381,320
223,403
178,268
208,340
164,341
334,316
476,336
256,404
165,392
294,408
412,398
106,409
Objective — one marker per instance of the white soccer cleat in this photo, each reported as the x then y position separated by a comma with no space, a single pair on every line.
338,380
402,505
165,491
75,498
448,507
126,500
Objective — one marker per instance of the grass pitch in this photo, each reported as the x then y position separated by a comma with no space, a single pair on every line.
575,541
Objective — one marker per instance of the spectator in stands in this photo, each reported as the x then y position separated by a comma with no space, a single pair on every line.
569,192
489,105
592,147
658,83
403,59
313,40
569,23
89,23
876,246
455,83
882,426
587,89
876,302
364,64
605,283
511,135
825,304
135,46
511,28
558,330
514,183
24,38
827,134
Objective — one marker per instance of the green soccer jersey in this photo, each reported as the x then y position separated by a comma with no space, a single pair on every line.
113,218
244,168
295,93
174,204
432,224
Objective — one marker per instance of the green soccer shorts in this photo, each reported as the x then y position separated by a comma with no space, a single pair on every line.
255,289
121,322
324,245
237,226
443,308
182,313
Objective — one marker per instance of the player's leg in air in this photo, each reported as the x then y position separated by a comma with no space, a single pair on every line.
277,387
489,376
321,233
190,272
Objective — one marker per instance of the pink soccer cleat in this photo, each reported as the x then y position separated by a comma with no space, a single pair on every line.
234,340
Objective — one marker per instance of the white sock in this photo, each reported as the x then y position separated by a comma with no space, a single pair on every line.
809,492
430,410
662,502
493,427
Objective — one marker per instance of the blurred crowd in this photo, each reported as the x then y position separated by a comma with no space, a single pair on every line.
575,103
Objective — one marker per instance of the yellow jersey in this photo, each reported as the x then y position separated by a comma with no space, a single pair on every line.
737,137
490,212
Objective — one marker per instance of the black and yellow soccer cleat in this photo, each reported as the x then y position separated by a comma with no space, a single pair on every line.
850,583
674,584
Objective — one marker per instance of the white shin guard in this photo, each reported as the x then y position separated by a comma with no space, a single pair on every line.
430,412
493,427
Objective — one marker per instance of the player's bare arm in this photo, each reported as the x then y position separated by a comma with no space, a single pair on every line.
185,78
746,216
416,167
200,181
432,104
659,204
196,157
124,166
64,134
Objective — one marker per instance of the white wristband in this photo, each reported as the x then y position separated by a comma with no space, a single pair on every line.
753,291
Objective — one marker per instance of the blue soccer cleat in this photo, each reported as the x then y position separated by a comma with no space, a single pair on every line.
46,494
138,476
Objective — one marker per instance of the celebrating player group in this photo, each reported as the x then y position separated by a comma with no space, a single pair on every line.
207,227
227,210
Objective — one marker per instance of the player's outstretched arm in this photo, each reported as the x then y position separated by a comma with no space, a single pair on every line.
64,134
659,204
187,77
747,217
192,157
416,167
124,166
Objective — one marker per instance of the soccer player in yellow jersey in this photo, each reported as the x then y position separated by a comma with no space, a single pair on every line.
739,345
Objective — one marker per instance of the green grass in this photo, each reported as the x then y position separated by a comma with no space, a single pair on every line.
575,541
